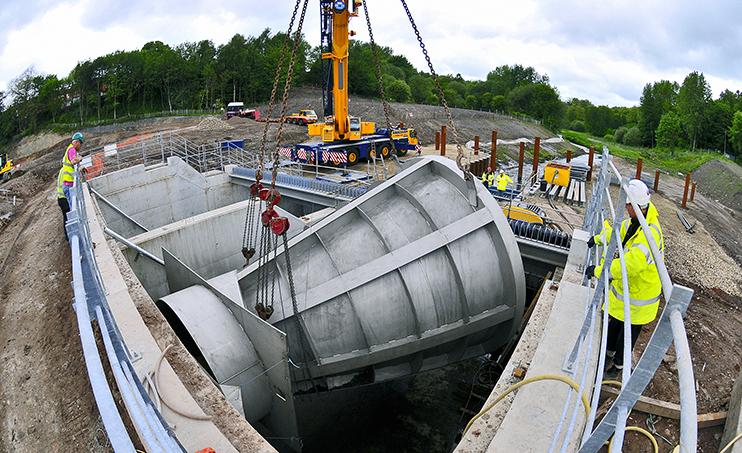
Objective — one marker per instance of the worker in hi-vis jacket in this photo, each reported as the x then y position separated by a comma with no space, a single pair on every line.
644,282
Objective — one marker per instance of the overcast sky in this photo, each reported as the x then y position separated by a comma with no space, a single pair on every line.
604,51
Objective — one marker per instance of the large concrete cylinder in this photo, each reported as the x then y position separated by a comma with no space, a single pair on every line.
421,271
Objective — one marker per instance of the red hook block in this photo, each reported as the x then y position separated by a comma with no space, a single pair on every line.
279,225
268,215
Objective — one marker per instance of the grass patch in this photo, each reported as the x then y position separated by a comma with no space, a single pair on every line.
682,160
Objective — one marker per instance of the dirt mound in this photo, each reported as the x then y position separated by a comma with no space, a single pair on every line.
35,143
722,181
213,124
426,119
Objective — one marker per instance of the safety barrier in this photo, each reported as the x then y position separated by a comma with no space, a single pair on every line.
669,329
328,187
156,148
90,303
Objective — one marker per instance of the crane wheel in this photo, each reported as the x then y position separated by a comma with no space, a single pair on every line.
352,157
385,151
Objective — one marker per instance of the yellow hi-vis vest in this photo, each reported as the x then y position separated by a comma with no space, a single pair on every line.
488,179
66,173
502,181
645,286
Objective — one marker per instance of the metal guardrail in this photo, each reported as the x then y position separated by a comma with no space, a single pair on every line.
669,329
157,148
328,187
90,303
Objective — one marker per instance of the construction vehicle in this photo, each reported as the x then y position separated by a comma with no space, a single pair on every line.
238,109
345,139
304,117
6,168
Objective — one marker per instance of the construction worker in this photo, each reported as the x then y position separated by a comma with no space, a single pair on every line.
488,178
503,180
641,269
66,176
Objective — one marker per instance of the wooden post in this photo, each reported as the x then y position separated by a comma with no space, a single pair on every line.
443,140
656,180
639,163
476,145
693,191
521,156
536,148
685,190
569,156
590,157
493,154
437,140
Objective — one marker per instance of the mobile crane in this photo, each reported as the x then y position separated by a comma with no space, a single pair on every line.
345,139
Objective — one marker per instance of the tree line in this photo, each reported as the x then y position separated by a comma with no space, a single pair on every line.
202,76
669,116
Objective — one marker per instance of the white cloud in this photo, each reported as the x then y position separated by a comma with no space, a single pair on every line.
604,52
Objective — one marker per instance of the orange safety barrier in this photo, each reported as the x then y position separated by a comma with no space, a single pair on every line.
97,167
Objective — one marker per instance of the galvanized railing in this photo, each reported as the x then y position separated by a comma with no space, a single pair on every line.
157,148
669,329
90,303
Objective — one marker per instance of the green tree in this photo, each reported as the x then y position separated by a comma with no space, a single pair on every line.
620,134
693,99
499,103
657,99
735,133
540,101
670,131
633,137
421,88
577,125
399,91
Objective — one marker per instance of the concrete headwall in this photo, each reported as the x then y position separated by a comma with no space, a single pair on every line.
209,243
163,194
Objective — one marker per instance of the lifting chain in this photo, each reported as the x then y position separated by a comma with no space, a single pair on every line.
377,63
299,326
285,99
250,233
276,79
462,161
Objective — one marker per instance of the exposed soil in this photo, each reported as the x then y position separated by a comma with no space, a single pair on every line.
721,181
46,403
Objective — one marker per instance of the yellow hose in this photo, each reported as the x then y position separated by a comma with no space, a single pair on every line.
541,377
585,403
731,442
639,430
646,434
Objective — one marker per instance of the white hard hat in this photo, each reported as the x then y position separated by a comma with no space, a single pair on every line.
638,192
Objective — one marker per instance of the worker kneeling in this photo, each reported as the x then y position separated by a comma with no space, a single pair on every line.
503,180
644,282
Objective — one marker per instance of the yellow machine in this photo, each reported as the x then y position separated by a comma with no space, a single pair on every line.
558,174
7,168
338,125
520,213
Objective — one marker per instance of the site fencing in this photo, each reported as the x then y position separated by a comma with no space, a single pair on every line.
153,149
669,329
90,303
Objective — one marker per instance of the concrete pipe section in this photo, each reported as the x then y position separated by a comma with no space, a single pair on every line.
419,272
